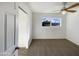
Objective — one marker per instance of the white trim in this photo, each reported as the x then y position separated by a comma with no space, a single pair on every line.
72,41
49,38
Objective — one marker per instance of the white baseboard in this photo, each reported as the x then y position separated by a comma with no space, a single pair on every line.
72,41
49,38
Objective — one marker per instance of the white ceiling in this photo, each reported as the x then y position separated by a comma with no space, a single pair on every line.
45,7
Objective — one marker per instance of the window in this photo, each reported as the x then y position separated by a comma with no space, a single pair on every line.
45,21
56,22
51,21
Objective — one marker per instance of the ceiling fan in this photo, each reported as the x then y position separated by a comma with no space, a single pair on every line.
69,9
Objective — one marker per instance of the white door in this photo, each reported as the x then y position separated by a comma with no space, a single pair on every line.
10,28
10,39
8,24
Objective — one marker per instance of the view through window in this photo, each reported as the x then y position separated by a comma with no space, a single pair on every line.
51,21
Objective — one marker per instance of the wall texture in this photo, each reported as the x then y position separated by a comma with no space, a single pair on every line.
40,32
73,27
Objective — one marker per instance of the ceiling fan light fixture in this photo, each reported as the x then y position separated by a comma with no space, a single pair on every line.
63,12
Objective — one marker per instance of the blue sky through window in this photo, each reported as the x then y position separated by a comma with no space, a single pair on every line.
55,21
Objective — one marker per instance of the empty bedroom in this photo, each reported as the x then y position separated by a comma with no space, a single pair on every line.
39,29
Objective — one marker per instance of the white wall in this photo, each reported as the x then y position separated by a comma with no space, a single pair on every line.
73,27
40,32
23,29
26,26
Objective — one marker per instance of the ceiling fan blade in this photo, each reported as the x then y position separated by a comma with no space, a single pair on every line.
71,11
69,8
72,6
